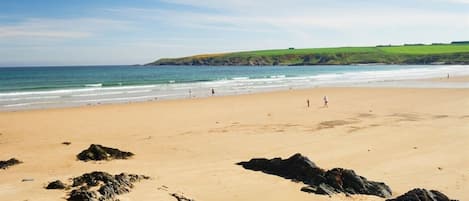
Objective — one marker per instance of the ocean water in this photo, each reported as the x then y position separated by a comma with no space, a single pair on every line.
45,87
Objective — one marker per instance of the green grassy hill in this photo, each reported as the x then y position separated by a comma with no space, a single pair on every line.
408,54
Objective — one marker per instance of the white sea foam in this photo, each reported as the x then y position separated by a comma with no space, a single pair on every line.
28,98
278,76
120,99
240,78
94,85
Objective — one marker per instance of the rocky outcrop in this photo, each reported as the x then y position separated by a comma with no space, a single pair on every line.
338,180
56,185
109,185
8,163
98,152
180,197
98,186
422,195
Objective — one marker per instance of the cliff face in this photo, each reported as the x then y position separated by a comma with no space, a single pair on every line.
333,56
319,59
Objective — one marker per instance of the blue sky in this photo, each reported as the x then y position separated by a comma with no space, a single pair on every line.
86,32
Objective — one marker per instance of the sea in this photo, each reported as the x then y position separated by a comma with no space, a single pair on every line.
68,86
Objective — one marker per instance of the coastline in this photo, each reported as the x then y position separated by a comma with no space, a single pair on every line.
272,79
405,137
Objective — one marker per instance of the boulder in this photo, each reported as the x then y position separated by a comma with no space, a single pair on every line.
300,169
98,152
83,194
109,186
9,163
56,185
297,168
422,195
98,186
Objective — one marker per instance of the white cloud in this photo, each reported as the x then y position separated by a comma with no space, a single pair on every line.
58,28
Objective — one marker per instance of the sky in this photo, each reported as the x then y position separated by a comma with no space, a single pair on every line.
110,32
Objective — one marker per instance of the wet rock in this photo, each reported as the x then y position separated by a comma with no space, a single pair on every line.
9,163
338,180
56,185
422,195
98,152
180,197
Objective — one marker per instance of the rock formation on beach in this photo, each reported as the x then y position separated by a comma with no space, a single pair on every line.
338,180
422,195
8,163
57,184
98,152
180,197
100,186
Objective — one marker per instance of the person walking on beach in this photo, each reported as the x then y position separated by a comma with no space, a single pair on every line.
326,101
307,102
190,93
213,92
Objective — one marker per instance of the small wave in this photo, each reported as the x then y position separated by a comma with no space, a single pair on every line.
278,76
139,91
29,98
97,94
240,78
26,104
115,99
68,91
172,81
18,105
94,85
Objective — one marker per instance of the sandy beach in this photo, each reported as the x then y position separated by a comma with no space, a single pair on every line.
407,138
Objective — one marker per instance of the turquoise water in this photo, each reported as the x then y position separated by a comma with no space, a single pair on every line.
40,87
49,78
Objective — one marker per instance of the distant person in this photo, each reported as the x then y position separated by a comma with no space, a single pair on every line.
447,76
213,92
190,93
326,101
307,102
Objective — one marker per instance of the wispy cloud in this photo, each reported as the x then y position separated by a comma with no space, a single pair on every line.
58,28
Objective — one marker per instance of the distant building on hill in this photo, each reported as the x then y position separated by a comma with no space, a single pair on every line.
460,42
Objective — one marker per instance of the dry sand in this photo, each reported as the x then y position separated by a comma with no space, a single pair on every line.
405,137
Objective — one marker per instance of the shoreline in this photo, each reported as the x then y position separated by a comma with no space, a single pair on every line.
424,83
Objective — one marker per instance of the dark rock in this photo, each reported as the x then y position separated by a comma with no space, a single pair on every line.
9,163
56,185
98,152
82,194
297,168
180,197
422,195
300,168
109,186
66,143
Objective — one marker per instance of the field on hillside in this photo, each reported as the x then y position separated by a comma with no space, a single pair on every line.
407,54
420,49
